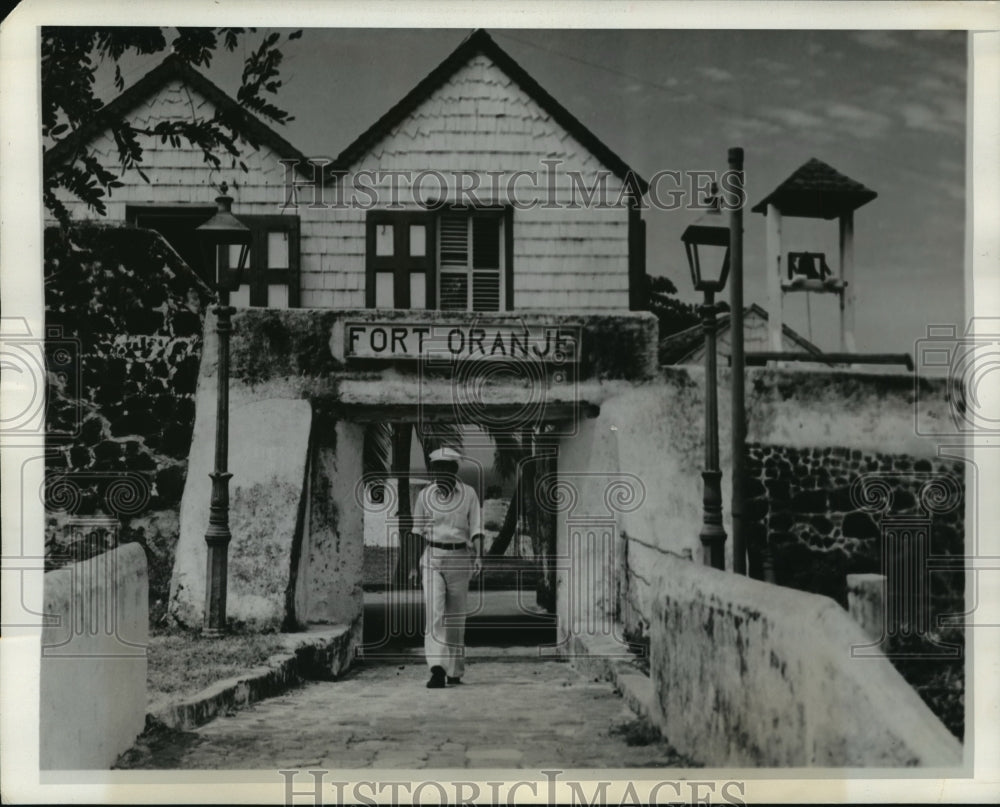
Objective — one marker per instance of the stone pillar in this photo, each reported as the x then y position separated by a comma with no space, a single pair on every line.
866,602
586,505
906,566
334,545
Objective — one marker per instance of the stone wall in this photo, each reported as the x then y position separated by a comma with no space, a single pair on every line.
93,669
814,508
124,334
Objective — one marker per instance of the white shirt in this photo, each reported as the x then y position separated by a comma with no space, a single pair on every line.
448,519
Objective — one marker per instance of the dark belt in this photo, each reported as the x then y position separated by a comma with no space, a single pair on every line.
438,545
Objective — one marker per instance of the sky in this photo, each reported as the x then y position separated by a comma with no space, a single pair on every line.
886,108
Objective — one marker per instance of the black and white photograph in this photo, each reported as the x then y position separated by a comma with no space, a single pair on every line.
440,404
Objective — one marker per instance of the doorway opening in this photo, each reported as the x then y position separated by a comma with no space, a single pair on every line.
512,603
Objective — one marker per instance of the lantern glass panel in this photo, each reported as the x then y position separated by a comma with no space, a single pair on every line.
240,297
713,265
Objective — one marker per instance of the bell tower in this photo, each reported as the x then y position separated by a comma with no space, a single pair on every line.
814,191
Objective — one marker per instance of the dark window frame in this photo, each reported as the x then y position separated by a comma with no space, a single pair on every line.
401,263
401,288
258,277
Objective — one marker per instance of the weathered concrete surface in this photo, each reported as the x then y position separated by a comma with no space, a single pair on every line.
320,653
866,602
629,472
748,673
816,407
268,455
333,548
93,670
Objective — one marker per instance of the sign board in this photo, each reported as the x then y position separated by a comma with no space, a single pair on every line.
506,341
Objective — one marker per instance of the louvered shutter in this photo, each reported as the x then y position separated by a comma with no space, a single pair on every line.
470,257
454,277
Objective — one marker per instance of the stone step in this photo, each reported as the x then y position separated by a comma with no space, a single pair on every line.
496,618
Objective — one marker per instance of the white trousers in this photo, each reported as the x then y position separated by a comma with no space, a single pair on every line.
445,575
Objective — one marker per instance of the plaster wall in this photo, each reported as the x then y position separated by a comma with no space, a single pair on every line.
746,673
268,456
93,670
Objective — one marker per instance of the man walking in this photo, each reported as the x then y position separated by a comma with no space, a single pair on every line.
447,514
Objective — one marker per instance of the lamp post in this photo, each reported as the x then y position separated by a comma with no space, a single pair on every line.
739,422
709,237
217,235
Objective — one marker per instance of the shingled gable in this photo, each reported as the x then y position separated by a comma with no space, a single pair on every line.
816,190
480,42
172,68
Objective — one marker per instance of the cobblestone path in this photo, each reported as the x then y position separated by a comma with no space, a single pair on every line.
507,714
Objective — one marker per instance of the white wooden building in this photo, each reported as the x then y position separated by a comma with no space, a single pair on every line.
518,248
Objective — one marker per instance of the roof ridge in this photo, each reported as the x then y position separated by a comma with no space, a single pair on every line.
171,67
724,320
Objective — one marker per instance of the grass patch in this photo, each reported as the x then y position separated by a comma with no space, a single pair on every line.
637,732
185,663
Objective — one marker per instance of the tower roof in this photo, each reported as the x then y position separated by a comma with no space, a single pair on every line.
816,191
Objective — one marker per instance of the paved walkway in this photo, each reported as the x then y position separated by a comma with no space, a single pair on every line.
508,714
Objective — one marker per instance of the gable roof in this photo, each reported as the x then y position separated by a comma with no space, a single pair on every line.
172,68
680,346
481,42
816,190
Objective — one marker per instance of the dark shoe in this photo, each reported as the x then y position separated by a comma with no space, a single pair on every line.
453,679
437,678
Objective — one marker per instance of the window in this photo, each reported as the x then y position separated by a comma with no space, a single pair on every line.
452,260
470,259
272,276
400,259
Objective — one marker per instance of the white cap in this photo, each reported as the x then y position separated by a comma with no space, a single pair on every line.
445,454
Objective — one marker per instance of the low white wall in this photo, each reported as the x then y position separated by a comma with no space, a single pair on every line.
93,670
747,673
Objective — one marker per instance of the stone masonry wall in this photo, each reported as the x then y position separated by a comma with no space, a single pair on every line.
822,524
824,512
123,322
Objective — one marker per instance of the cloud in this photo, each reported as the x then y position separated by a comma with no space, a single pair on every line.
858,121
771,65
716,73
919,116
881,40
794,118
